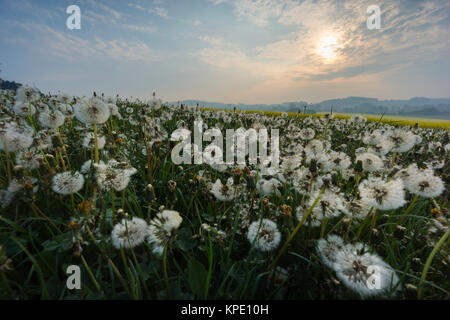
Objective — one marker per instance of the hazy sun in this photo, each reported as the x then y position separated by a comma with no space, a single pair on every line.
327,48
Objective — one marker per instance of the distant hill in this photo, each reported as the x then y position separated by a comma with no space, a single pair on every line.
9,85
418,106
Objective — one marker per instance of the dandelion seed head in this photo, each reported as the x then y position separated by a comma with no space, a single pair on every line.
370,162
328,248
381,194
129,233
92,111
67,182
264,235
358,270
51,120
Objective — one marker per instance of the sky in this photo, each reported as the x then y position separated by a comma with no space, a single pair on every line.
231,51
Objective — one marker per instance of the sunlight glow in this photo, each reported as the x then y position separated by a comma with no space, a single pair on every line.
327,48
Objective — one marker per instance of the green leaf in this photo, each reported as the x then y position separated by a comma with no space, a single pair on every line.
197,276
59,243
185,241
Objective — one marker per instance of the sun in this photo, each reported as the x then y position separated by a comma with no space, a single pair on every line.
327,48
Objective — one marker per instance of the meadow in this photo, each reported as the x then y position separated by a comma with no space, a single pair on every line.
357,208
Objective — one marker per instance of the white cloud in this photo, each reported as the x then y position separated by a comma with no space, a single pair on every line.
111,11
73,48
143,29
136,6
215,41
259,12
409,32
160,12
122,50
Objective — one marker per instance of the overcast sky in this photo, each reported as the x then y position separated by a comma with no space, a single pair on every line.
233,51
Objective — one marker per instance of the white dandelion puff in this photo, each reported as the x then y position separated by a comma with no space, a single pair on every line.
114,175
129,233
268,187
89,141
24,109
363,272
402,140
51,120
328,248
370,162
307,134
264,235
92,111
14,137
27,94
29,160
223,192
382,195
425,185
67,182
162,228
330,205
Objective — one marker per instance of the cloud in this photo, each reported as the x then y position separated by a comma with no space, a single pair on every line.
411,32
108,16
160,12
123,50
215,41
47,40
143,29
99,12
136,6
259,12
111,11
164,13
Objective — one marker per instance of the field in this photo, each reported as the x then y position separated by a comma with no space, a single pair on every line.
356,209
389,119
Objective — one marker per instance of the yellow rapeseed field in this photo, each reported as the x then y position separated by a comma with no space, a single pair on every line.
403,121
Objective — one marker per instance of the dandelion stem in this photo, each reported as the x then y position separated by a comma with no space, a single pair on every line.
123,198
166,277
323,227
6,285
73,203
348,229
363,224
428,263
96,160
91,275
63,147
8,164
408,209
45,158
111,263
393,159
36,209
112,202
210,258
58,153
96,143
286,244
